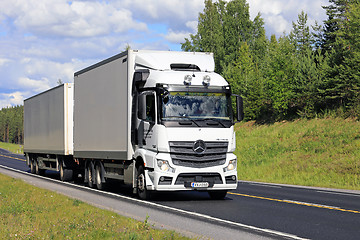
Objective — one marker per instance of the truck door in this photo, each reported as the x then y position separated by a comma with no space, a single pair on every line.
147,137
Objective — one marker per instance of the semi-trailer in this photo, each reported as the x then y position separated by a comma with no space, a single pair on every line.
156,120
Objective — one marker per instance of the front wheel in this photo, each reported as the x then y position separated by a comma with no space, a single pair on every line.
142,192
217,195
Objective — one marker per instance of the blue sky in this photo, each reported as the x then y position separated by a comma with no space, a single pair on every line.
42,41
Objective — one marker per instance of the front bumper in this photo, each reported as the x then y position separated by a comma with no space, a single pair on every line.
186,178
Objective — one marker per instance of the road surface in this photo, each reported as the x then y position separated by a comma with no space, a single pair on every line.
253,211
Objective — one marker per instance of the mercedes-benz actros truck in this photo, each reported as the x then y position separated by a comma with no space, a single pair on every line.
157,120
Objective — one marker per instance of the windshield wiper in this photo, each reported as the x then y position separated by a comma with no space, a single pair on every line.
216,120
184,117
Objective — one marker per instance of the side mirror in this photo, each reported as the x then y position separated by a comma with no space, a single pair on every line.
142,107
239,108
140,76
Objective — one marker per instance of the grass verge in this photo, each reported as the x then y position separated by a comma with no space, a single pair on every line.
14,148
27,212
318,152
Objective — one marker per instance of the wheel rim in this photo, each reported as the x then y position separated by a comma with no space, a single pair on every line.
32,166
98,177
37,167
90,174
61,172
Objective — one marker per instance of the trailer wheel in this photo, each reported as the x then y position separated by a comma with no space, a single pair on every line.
65,174
89,177
38,171
142,192
98,176
32,166
217,195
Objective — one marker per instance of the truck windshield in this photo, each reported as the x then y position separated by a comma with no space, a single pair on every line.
196,106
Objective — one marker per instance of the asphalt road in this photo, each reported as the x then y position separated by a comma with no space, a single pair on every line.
253,211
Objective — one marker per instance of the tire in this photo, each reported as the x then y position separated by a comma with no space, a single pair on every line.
38,171
217,195
65,174
32,167
89,173
98,176
141,190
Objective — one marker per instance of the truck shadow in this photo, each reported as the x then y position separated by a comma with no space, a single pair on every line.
117,188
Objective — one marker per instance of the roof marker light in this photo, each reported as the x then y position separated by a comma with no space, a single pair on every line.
206,80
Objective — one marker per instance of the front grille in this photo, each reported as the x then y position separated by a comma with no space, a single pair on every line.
183,154
212,178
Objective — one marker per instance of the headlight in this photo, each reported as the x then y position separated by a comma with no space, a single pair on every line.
231,166
164,166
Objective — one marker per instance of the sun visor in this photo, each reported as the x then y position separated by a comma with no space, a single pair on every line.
163,60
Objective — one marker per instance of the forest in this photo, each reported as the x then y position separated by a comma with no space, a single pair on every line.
314,71
311,72
11,125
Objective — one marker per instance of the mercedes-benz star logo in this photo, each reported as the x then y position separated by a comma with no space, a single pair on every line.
199,147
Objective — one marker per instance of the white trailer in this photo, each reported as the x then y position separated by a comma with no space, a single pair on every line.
158,120
48,131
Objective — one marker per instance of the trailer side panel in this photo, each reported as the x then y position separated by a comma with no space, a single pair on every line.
48,121
101,111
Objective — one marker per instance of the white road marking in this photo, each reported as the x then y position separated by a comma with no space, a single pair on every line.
337,193
268,231
264,185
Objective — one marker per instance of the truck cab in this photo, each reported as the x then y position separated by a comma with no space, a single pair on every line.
184,127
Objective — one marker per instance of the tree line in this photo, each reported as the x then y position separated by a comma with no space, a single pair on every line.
11,124
312,71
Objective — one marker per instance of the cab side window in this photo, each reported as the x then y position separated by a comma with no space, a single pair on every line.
150,108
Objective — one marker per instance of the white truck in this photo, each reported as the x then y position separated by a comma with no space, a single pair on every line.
157,120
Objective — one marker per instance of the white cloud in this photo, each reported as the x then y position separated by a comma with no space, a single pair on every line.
42,41
174,13
34,85
3,61
11,99
75,19
279,14
176,37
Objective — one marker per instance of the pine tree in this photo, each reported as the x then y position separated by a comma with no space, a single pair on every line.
341,86
336,16
300,35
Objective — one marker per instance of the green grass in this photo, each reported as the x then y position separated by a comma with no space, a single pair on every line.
27,212
318,152
15,148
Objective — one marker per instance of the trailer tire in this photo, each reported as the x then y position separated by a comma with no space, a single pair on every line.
142,192
89,173
65,174
38,171
98,177
217,194
32,166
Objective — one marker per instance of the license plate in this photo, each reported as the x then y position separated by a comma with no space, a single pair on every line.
199,184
